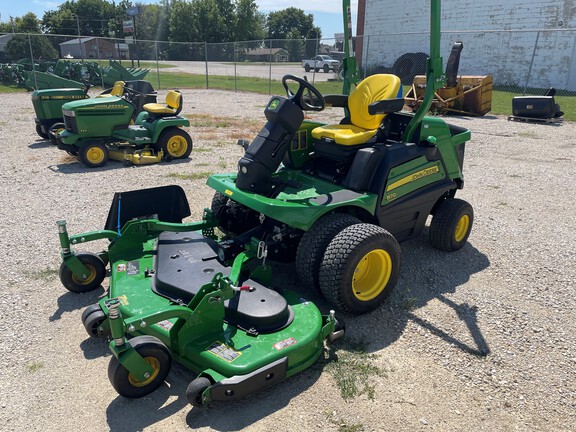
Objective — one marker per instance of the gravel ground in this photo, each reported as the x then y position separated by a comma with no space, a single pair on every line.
481,339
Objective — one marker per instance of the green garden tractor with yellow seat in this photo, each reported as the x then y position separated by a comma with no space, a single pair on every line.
100,129
336,199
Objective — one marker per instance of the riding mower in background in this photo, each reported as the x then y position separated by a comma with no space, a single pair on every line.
48,103
99,129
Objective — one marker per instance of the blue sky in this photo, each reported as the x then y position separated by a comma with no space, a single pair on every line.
327,13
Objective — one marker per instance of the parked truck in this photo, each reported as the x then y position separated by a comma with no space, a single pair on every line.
321,62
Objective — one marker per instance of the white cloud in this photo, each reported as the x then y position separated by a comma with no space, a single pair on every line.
306,5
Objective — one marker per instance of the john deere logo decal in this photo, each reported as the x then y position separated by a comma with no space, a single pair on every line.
274,104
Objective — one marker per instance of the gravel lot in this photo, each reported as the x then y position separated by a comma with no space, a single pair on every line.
482,339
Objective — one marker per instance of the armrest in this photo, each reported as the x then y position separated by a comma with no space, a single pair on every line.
338,101
386,106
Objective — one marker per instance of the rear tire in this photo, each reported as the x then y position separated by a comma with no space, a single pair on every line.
451,225
156,354
175,143
307,68
360,268
313,245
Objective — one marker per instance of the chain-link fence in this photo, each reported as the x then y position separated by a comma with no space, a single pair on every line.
520,62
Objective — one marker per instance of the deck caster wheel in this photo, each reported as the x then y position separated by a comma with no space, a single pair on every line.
95,276
93,319
156,354
195,389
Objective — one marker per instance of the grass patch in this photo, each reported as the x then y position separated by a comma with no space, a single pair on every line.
354,371
210,121
34,367
501,100
342,425
45,274
194,176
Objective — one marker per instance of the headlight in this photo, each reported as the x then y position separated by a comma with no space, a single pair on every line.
69,113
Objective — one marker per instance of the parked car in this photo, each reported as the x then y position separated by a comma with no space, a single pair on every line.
321,62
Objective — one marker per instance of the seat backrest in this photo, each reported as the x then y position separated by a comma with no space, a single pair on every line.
174,100
118,88
372,89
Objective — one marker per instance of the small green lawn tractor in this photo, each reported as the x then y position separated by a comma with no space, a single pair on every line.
337,199
100,129
48,103
48,107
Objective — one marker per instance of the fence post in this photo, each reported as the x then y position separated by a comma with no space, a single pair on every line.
99,62
235,80
157,65
206,61
531,62
270,69
33,65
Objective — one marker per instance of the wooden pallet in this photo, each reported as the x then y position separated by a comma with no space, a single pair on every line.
555,120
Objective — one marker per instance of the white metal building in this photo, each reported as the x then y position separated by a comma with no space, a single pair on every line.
519,42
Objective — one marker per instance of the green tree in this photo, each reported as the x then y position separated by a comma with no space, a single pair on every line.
19,47
295,45
93,17
291,20
250,24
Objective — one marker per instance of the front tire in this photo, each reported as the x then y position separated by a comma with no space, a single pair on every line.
175,143
95,276
326,69
307,68
156,354
360,268
40,132
451,225
93,155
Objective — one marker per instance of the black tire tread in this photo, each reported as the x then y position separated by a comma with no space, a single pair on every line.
87,258
314,243
145,346
444,222
333,268
165,137
195,389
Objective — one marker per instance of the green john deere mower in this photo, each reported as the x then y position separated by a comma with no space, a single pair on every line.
100,129
337,199
48,103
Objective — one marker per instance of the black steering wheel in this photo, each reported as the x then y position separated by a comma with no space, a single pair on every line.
307,97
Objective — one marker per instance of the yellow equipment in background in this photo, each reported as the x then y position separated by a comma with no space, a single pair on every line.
468,95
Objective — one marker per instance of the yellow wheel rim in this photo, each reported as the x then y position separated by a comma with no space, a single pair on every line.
89,279
95,155
462,228
155,363
372,274
177,146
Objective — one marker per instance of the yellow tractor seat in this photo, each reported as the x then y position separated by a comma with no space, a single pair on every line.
173,105
363,125
117,90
